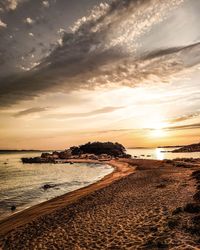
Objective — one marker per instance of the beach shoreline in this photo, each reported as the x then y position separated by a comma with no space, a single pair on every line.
27,215
142,204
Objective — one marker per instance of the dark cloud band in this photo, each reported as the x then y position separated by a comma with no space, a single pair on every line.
102,51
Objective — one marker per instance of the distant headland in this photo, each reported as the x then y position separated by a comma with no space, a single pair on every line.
189,148
6,151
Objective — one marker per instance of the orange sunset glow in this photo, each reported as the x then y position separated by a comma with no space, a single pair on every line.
99,124
132,82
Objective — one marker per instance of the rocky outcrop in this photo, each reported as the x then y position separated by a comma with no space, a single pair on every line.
38,160
102,151
100,148
66,154
189,148
48,186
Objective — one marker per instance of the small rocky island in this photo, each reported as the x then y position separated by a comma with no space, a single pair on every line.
188,149
101,151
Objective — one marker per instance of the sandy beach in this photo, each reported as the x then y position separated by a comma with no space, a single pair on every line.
138,206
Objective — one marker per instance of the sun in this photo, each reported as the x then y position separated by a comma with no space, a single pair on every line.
158,132
157,129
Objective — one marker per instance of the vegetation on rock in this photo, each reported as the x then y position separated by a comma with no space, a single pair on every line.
98,148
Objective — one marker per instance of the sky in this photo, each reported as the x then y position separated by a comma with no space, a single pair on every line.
125,71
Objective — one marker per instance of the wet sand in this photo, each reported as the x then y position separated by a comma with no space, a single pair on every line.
128,209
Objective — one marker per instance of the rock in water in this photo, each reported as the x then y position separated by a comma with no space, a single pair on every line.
13,208
47,186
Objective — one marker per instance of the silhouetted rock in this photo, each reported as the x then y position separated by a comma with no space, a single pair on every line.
38,160
188,148
66,154
13,208
99,148
103,151
45,155
47,186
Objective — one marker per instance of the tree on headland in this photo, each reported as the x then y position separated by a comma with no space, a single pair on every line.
98,148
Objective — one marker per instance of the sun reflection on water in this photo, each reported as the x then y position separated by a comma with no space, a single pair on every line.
159,154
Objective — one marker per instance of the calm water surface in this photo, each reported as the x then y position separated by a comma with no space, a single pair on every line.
156,153
21,184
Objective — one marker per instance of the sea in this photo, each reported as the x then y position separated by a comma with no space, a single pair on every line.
22,185
160,153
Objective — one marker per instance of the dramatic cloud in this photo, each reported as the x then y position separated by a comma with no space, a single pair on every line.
46,4
141,131
185,127
172,128
30,111
185,117
10,4
2,24
101,111
29,20
103,49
